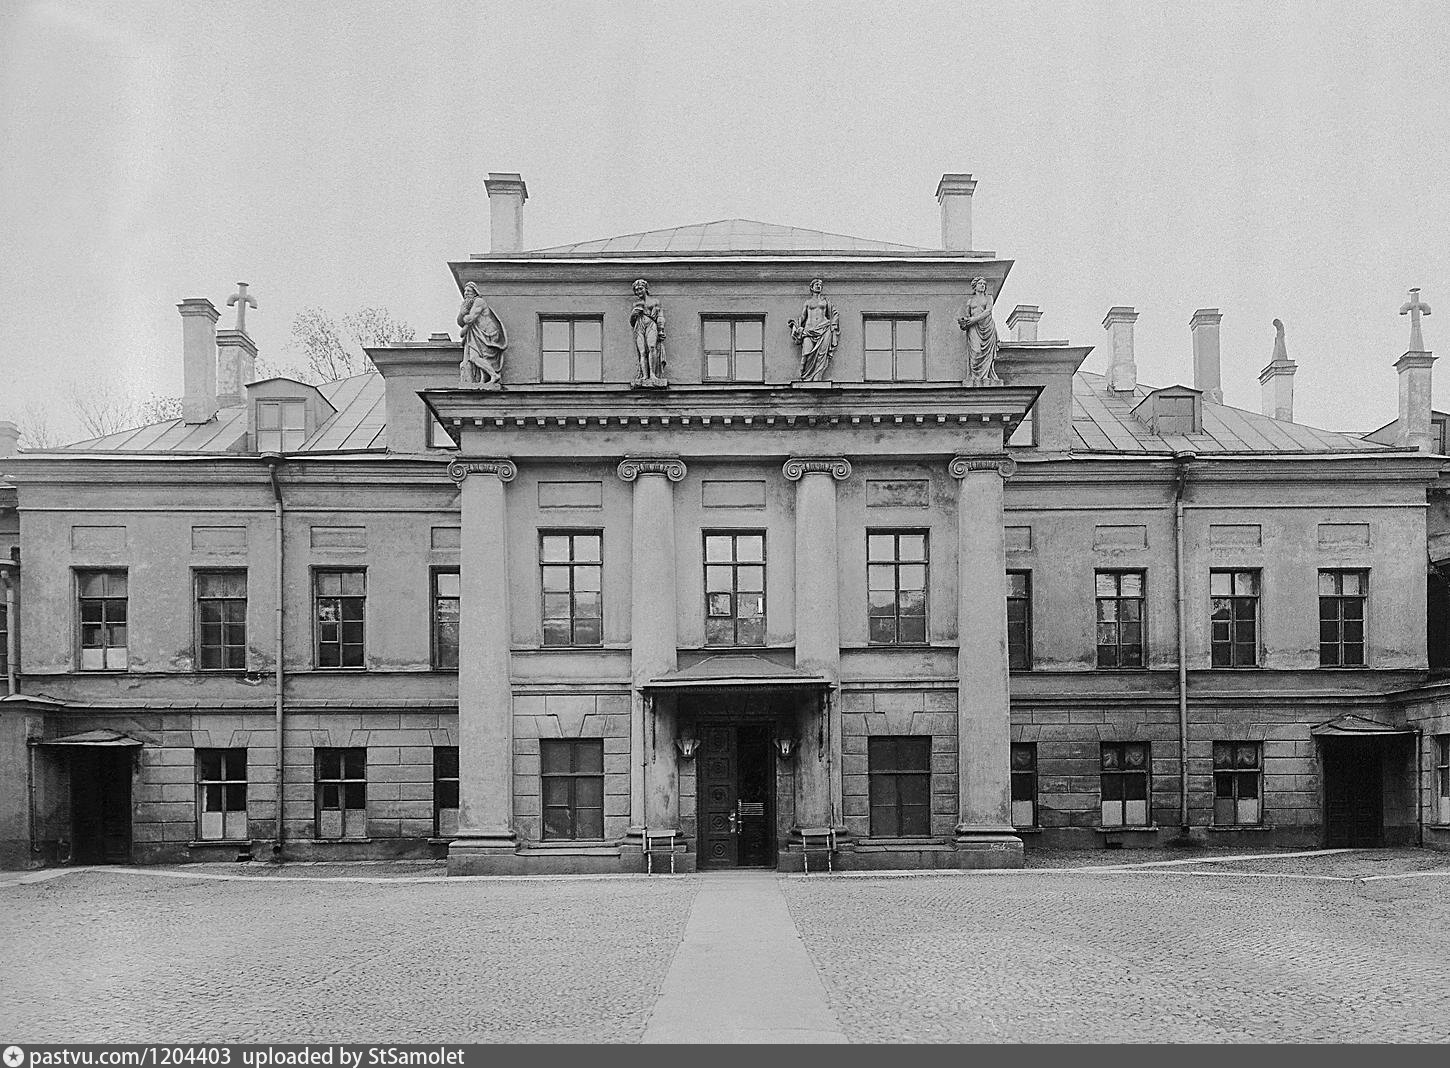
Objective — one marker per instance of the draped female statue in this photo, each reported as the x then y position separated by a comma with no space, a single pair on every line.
982,339
817,333
484,340
647,317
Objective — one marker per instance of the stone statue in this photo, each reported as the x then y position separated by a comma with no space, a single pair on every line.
648,319
484,340
817,333
982,339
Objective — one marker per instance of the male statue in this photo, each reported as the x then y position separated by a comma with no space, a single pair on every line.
484,340
648,319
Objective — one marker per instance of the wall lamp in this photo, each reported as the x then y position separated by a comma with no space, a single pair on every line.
786,747
687,747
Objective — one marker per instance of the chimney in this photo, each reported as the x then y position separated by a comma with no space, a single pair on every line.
506,196
198,359
1022,321
1206,374
1276,381
236,365
1414,371
1122,371
954,194
9,438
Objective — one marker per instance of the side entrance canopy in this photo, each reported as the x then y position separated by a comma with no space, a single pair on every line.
734,673
1350,725
95,738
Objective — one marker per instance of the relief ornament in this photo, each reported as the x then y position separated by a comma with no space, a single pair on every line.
817,333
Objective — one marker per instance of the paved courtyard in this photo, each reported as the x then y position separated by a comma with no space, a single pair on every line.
1349,946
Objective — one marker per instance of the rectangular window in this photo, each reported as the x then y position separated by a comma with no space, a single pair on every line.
573,784
735,589
281,425
572,349
1019,620
1341,617
896,587
221,620
734,349
1125,784
445,791
340,599
1120,602
895,349
342,793
221,795
900,785
1442,776
445,620
102,607
4,640
1237,784
573,571
1024,784
1235,620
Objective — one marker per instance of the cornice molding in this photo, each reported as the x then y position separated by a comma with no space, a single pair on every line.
673,468
962,466
458,470
797,467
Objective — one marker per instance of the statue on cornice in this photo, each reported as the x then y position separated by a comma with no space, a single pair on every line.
817,333
484,340
647,317
982,338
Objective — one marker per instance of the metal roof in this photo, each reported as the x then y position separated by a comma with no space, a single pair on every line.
732,235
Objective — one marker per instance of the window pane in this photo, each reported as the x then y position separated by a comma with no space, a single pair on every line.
878,333
556,367
1132,584
1246,583
586,548
555,335
446,584
717,335
910,366
880,547
588,367
717,365
750,547
588,335
749,334
717,547
912,546
878,365
749,366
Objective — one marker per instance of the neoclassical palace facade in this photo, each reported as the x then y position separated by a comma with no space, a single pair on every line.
726,545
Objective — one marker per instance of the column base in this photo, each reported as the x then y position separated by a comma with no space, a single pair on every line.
482,854
988,846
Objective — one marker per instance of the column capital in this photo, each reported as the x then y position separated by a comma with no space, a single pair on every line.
672,467
458,470
838,467
961,466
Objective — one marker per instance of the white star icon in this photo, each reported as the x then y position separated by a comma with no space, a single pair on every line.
14,1057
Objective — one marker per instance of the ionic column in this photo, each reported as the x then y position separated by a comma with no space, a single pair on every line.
485,696
984,716
653,641
817,630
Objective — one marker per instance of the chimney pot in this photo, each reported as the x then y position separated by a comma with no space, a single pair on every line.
9,438
506,195
1276,380
954,194
198,359
1023,320
1206,373
1122,370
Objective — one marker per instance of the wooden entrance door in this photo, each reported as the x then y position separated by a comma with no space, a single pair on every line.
736,795
1353,793
100,792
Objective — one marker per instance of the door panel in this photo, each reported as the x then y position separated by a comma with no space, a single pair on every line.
735,771
100,782
756,776
1353,794
715,766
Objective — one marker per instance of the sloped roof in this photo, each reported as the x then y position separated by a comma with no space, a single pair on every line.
731,235
1102,421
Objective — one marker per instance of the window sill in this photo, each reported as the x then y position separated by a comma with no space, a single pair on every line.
1251,828
341,670
1028,830
1136,828
220,843
342,840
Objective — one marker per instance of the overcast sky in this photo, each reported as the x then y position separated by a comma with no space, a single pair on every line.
1288,160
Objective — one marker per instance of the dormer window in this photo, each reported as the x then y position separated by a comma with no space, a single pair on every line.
281,425
1172,410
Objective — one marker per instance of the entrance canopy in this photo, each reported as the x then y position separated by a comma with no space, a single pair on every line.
1351,726
733,674
95,738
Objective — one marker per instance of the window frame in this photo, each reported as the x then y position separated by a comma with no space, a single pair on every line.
573,566
896,563
1228,769
1119,600
341,783
225,784
735,564
442,781
109,652
199,624
571,778
893,318
1442,778
1121,774
733,320
318,623
1233,620
574,349
1024,772
1025,601
896,775
1341,601
434,600
1027,427
282,405
433,429
5,638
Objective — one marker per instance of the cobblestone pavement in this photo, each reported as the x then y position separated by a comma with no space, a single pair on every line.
1300,948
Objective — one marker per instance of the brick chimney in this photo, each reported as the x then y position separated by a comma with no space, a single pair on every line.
954,194
1276,381
1122,371
9,438
506,196
1206,373
198,359
1415,429
1023,320
236,365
